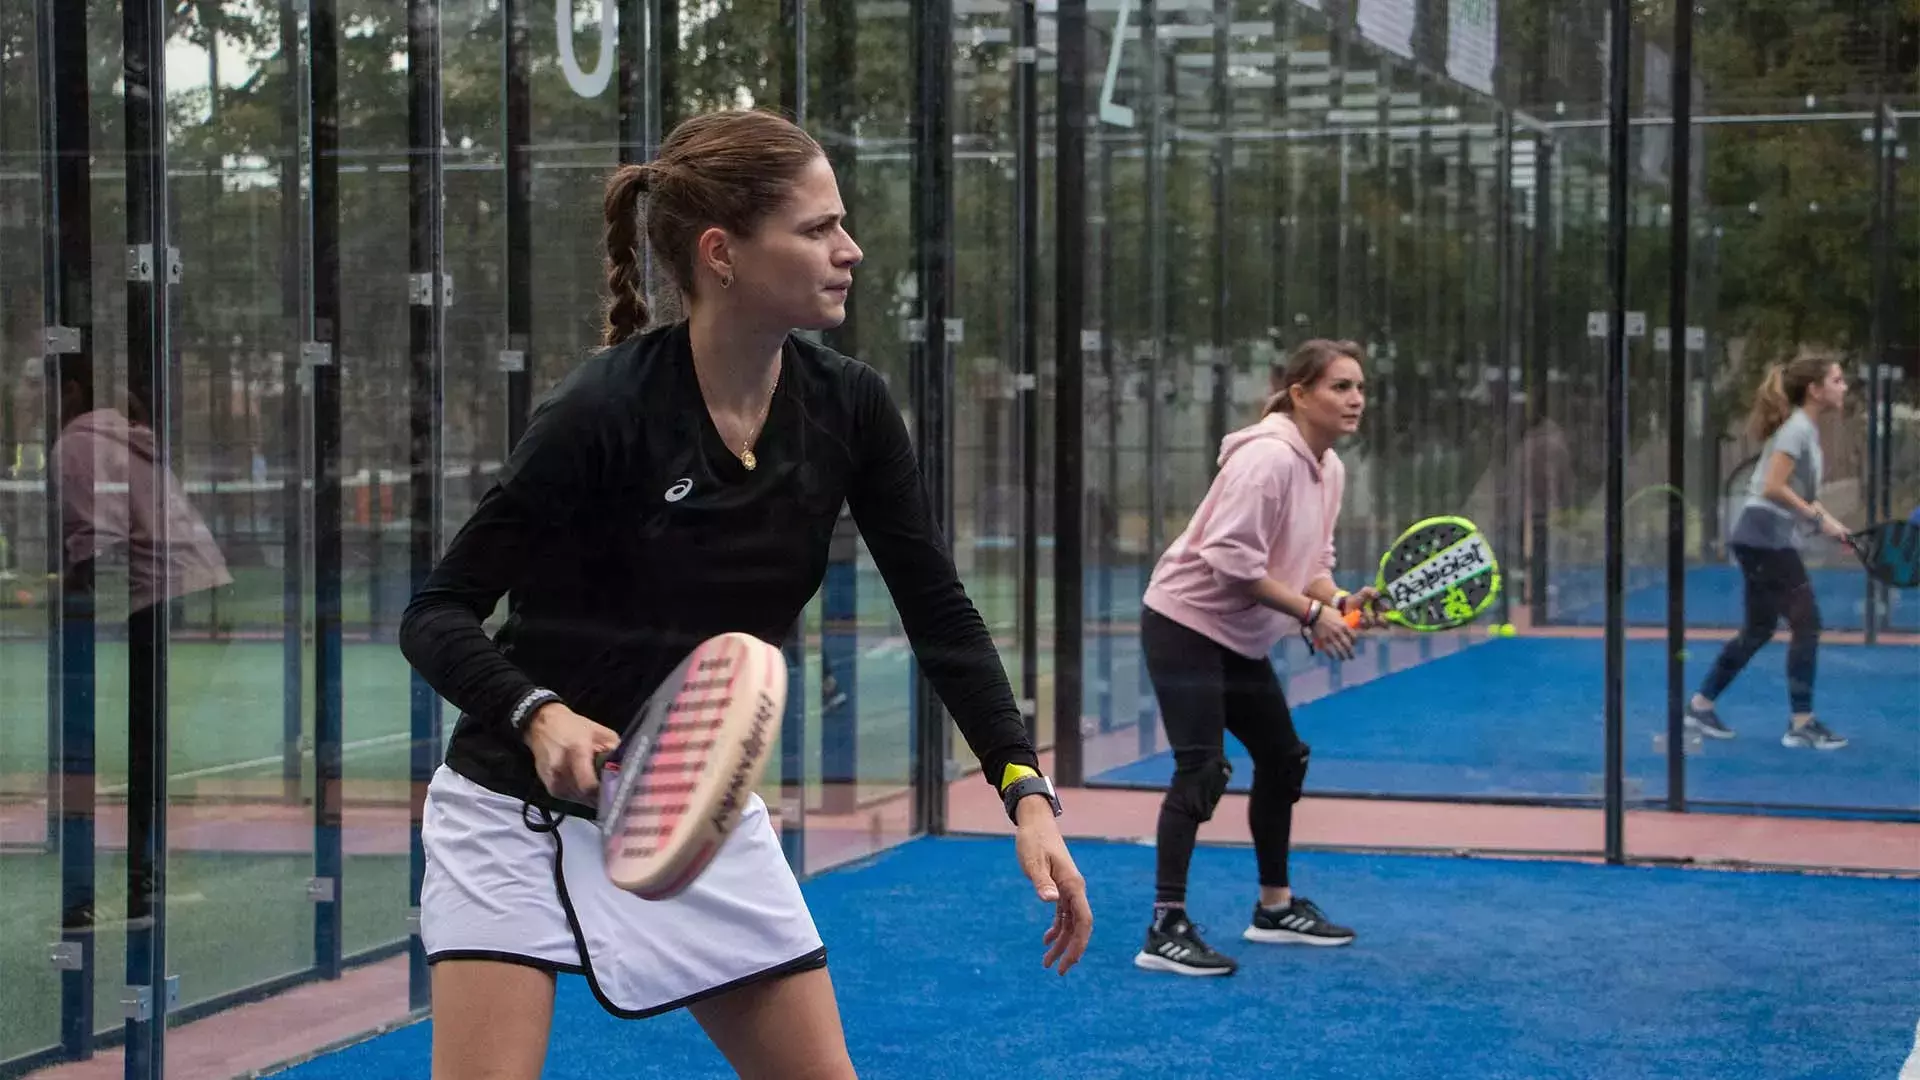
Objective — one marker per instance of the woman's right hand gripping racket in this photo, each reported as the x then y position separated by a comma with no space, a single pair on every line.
688,762
1440,574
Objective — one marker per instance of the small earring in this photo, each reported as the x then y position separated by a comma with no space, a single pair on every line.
726,282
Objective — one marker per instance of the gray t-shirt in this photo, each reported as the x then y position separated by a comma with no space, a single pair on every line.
1763,522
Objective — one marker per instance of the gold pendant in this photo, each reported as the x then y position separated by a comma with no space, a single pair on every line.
747,459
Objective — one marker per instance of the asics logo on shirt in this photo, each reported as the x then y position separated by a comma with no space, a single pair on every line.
680,489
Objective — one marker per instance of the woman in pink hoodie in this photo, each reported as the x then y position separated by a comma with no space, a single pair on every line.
1254,563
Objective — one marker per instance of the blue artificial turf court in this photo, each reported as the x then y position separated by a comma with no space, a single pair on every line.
1464,968
1524,717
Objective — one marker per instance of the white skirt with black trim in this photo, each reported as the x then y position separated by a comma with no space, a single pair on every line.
503,882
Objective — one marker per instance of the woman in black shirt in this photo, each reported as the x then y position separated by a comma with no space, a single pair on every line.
683,482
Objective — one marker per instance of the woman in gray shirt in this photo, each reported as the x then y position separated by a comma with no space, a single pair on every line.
1779,513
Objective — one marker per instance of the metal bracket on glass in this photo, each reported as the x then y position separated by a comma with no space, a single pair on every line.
512,360
136,1002
420,289
1025,383
60,340
1029,708
65,956
316,353
1026,54
916,330
956,331
1089,341
140,264
413,922
320,890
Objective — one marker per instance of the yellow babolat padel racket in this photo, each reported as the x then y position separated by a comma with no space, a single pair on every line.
1440,574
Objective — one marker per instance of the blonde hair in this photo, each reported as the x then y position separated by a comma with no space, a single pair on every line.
1304,368
1784,390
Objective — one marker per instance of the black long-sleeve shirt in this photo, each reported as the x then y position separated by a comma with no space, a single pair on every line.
623,532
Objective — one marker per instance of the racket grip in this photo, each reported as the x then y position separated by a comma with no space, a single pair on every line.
1352,619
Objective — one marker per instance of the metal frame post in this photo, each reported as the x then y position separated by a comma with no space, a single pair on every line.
1070,242
324,138
426,378
930,29
66,213
1679,261
1619,143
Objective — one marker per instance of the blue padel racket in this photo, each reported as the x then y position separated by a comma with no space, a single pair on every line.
1890,551
688,762
1440,574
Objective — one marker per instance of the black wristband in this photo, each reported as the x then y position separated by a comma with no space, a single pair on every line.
523,712
1035,784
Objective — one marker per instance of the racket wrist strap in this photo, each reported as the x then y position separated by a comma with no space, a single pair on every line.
529,706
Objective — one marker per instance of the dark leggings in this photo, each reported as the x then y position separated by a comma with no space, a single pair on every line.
1204,691
1777,586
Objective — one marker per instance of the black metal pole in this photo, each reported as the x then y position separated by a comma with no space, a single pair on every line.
150,270
66,216
1026,336
1679,264
1539,387
323,349
518,360
930,28
840,594
1618,162
1152,112
1070,241
792,45
426,374
1503,321
1222,219
294,301
1881,328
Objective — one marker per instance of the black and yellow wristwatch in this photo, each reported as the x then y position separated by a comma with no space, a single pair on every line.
1019,781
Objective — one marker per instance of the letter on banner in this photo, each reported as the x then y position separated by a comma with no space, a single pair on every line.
1472,44
1388,24
584,84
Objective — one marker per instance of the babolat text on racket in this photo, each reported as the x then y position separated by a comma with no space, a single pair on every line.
1440,574
1890,551
688,763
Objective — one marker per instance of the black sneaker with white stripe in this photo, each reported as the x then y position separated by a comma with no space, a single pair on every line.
1299,923
1173,944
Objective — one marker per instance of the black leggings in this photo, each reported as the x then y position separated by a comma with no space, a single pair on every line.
1777,585
1204,691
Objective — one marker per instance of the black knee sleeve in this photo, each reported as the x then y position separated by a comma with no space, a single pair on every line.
1195,792
1293,770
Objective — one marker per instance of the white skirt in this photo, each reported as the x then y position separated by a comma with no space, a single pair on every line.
497,888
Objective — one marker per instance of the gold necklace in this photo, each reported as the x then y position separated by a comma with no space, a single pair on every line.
745,453
746,447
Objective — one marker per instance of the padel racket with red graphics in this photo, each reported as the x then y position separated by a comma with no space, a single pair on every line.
1890,551
688,763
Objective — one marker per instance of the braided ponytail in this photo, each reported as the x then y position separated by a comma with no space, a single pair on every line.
727,169
627,299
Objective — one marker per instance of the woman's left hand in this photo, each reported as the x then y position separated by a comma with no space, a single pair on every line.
1367,603
1042,852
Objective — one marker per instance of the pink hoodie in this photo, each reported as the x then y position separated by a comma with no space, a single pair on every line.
1270,513
106,481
